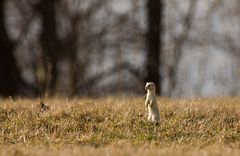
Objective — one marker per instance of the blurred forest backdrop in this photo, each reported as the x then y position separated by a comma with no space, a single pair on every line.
96,47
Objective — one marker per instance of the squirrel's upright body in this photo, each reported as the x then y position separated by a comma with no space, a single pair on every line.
151,102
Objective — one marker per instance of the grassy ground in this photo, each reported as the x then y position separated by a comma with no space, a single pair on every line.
118,126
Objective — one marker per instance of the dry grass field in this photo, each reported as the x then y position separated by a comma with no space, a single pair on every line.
118,126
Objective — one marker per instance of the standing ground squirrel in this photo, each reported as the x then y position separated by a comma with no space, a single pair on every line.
151,103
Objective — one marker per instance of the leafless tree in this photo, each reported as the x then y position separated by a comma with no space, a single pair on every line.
155,14
11,82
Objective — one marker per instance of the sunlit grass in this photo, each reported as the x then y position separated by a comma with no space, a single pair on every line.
119,123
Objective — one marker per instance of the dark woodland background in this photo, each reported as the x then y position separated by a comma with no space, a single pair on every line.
97,47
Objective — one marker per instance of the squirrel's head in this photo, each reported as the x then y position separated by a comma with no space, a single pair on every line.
150,86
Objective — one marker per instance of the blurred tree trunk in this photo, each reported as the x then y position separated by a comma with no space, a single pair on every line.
50,42
10,80
155,12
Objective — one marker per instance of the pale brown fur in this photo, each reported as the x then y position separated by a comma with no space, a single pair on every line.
151,103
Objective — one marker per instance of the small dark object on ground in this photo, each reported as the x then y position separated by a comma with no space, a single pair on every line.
43,106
